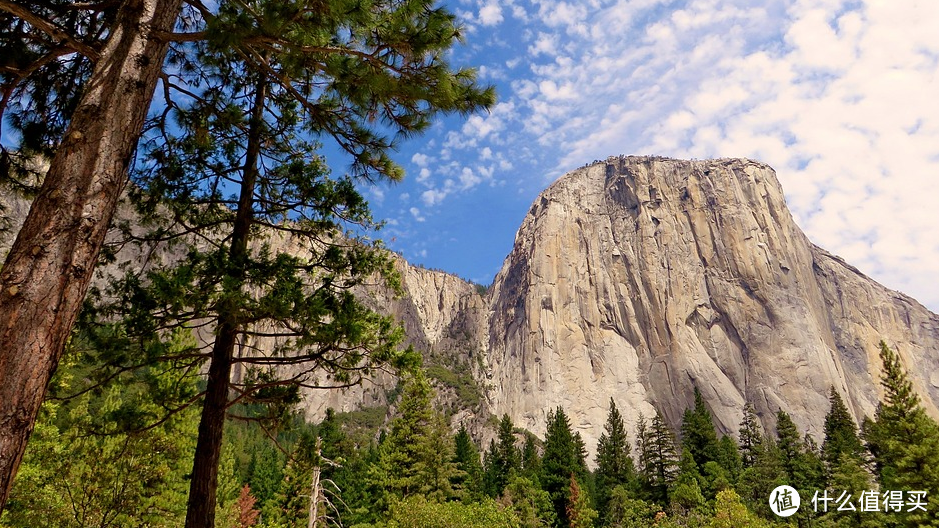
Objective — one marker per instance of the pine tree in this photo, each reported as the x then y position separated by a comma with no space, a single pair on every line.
562,459
904,441
723,473
728,458
491,470
231,152
697,432
687,494
849,475
436,467
841,436
579,512
66,96
757,481
509,457
466,457
659,462
417,458
290,503
789,443
800,461
531,460
730,512
91,462
529,502
614,464
265,473
751,436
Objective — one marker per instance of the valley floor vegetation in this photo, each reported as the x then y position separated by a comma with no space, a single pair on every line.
92,462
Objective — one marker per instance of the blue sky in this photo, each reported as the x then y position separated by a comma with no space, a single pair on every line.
839,97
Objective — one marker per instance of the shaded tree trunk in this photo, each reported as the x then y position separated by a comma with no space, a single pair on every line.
48,270
200,512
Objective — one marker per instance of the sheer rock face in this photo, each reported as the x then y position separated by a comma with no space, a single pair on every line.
639,279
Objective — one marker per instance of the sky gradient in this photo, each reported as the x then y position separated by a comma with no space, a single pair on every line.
839,97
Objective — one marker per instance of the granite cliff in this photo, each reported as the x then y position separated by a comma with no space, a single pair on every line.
639,279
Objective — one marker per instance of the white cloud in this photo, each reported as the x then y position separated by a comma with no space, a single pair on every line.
469,179
377,193
433,197
423,175
545,44
838,96
420,159
490,14
416,213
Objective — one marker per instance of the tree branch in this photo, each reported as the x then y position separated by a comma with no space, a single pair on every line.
55,32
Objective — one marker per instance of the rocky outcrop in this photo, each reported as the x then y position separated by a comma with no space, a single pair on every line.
638,279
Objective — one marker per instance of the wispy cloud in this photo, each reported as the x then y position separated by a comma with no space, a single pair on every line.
838,96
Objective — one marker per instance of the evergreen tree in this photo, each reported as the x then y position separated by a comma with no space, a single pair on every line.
730,512
562,459
757,481
841,436
353,479
789,443
800,461
687,494
360,74
417,456
91,462
751,436
625,512
509,457
65,94
715,479
904,441
531,504
265,473
466,457
659,462
697,432
291,501
531,460
491,470
614,464
419,512
436,467
849,475
579,512
728,458
226,507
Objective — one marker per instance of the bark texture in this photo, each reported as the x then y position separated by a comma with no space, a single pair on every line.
48,270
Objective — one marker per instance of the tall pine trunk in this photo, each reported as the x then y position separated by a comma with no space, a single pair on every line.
48,270
200,511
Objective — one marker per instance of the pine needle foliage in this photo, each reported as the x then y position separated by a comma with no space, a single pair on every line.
614,463
904,441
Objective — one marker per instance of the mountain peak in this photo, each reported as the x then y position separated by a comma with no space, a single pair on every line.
641,278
